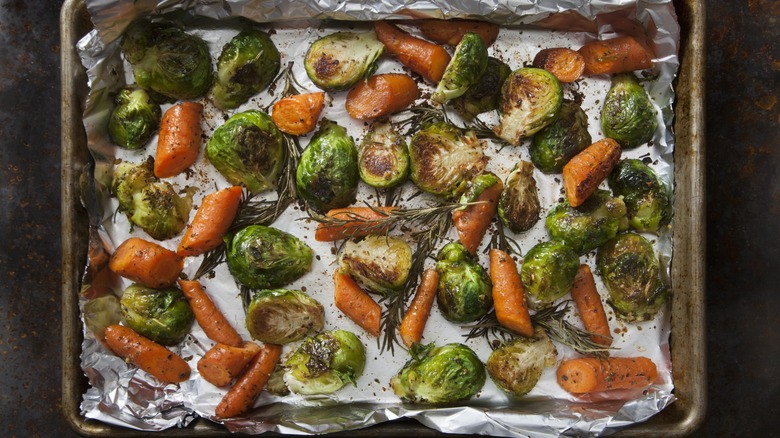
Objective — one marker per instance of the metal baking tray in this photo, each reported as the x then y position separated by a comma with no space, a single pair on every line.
687,271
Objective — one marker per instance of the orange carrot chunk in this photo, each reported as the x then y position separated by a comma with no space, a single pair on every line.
565,64
210,319
146,354
223,363
240,398
211,222
381,95
590,374
422,57
452,31
586,170
358,305
146,263
588,302
509,294
413,323
180,138
473,221
616,55
297,114
360,222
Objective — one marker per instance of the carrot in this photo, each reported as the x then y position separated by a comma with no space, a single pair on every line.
452,31
509,295
179,141
146,354
146,262
616,55
211,320
297,114
473,221
422,57
211,222
356,303
413,323
586,170
565,64
361,221
588,302
240,398
381,95
590,374
223,363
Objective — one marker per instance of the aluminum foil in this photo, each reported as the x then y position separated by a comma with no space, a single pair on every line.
122,395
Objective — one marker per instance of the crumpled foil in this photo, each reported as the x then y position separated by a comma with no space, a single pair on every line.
120,394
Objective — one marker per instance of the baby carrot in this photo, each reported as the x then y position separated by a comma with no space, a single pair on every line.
586,170
146,354
588,302
590,374
211,222
473,221
565,64
358,305
616,55
360,222
297,114
223,363
413,323
240,398
452,31
381,95
211,320
422,57
509,295
146,262
179,141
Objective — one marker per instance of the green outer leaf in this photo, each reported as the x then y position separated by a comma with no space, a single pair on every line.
467,65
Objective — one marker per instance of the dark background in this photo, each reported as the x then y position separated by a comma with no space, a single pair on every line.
743,212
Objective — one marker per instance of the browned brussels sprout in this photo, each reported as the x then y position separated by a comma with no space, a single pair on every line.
518,207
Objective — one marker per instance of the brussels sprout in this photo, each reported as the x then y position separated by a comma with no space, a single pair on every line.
439,375
467,65
556,144
325,363
248,149
380,263
275,384
383,157
102,312
548,272
477,186
530,100
628,116
444,159
647,199
327,175
590,225
130,179
262,257
518,206
134,119
631,272
338,61
516,366
465,293
279,316
167,60
483,96
247,64
162,315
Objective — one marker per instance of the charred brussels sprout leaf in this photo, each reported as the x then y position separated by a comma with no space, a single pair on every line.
516,366
325,363
465,293
383,157
247,64
262,257
248,150
518,206
327,175
590,225
279,316
556,144
628,116
548,272
162,315
134,118
631,272
484,95
647,199
530,100
338,61
439,375
467,65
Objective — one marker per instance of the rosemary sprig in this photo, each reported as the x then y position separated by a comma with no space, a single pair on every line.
420,116
483,131
500,240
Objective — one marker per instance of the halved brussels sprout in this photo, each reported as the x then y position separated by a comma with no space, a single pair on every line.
548,272
247,64
556,144
129,179
516,366
631,272
248,149
465,293
444,159
439,374
383,157
379,263
590,225
338,61
325,363
162,315
530,100
327,175
484,95
647,199
100,313
134,118
262,257
628,116
279,316
518,207
464,69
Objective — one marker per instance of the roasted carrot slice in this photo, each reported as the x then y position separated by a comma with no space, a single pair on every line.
381,95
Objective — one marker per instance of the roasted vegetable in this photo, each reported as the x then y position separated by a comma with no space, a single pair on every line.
516,366
247,64
383,157
465,293
518,207
338,61
248,150
467,65
444,159
647,199
485,94
548,272
162,315
279,316
628,116
530,100
631,272
325,363
556,144
590,225
327,175
134,118
380,264
262,257
439,374
473,221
